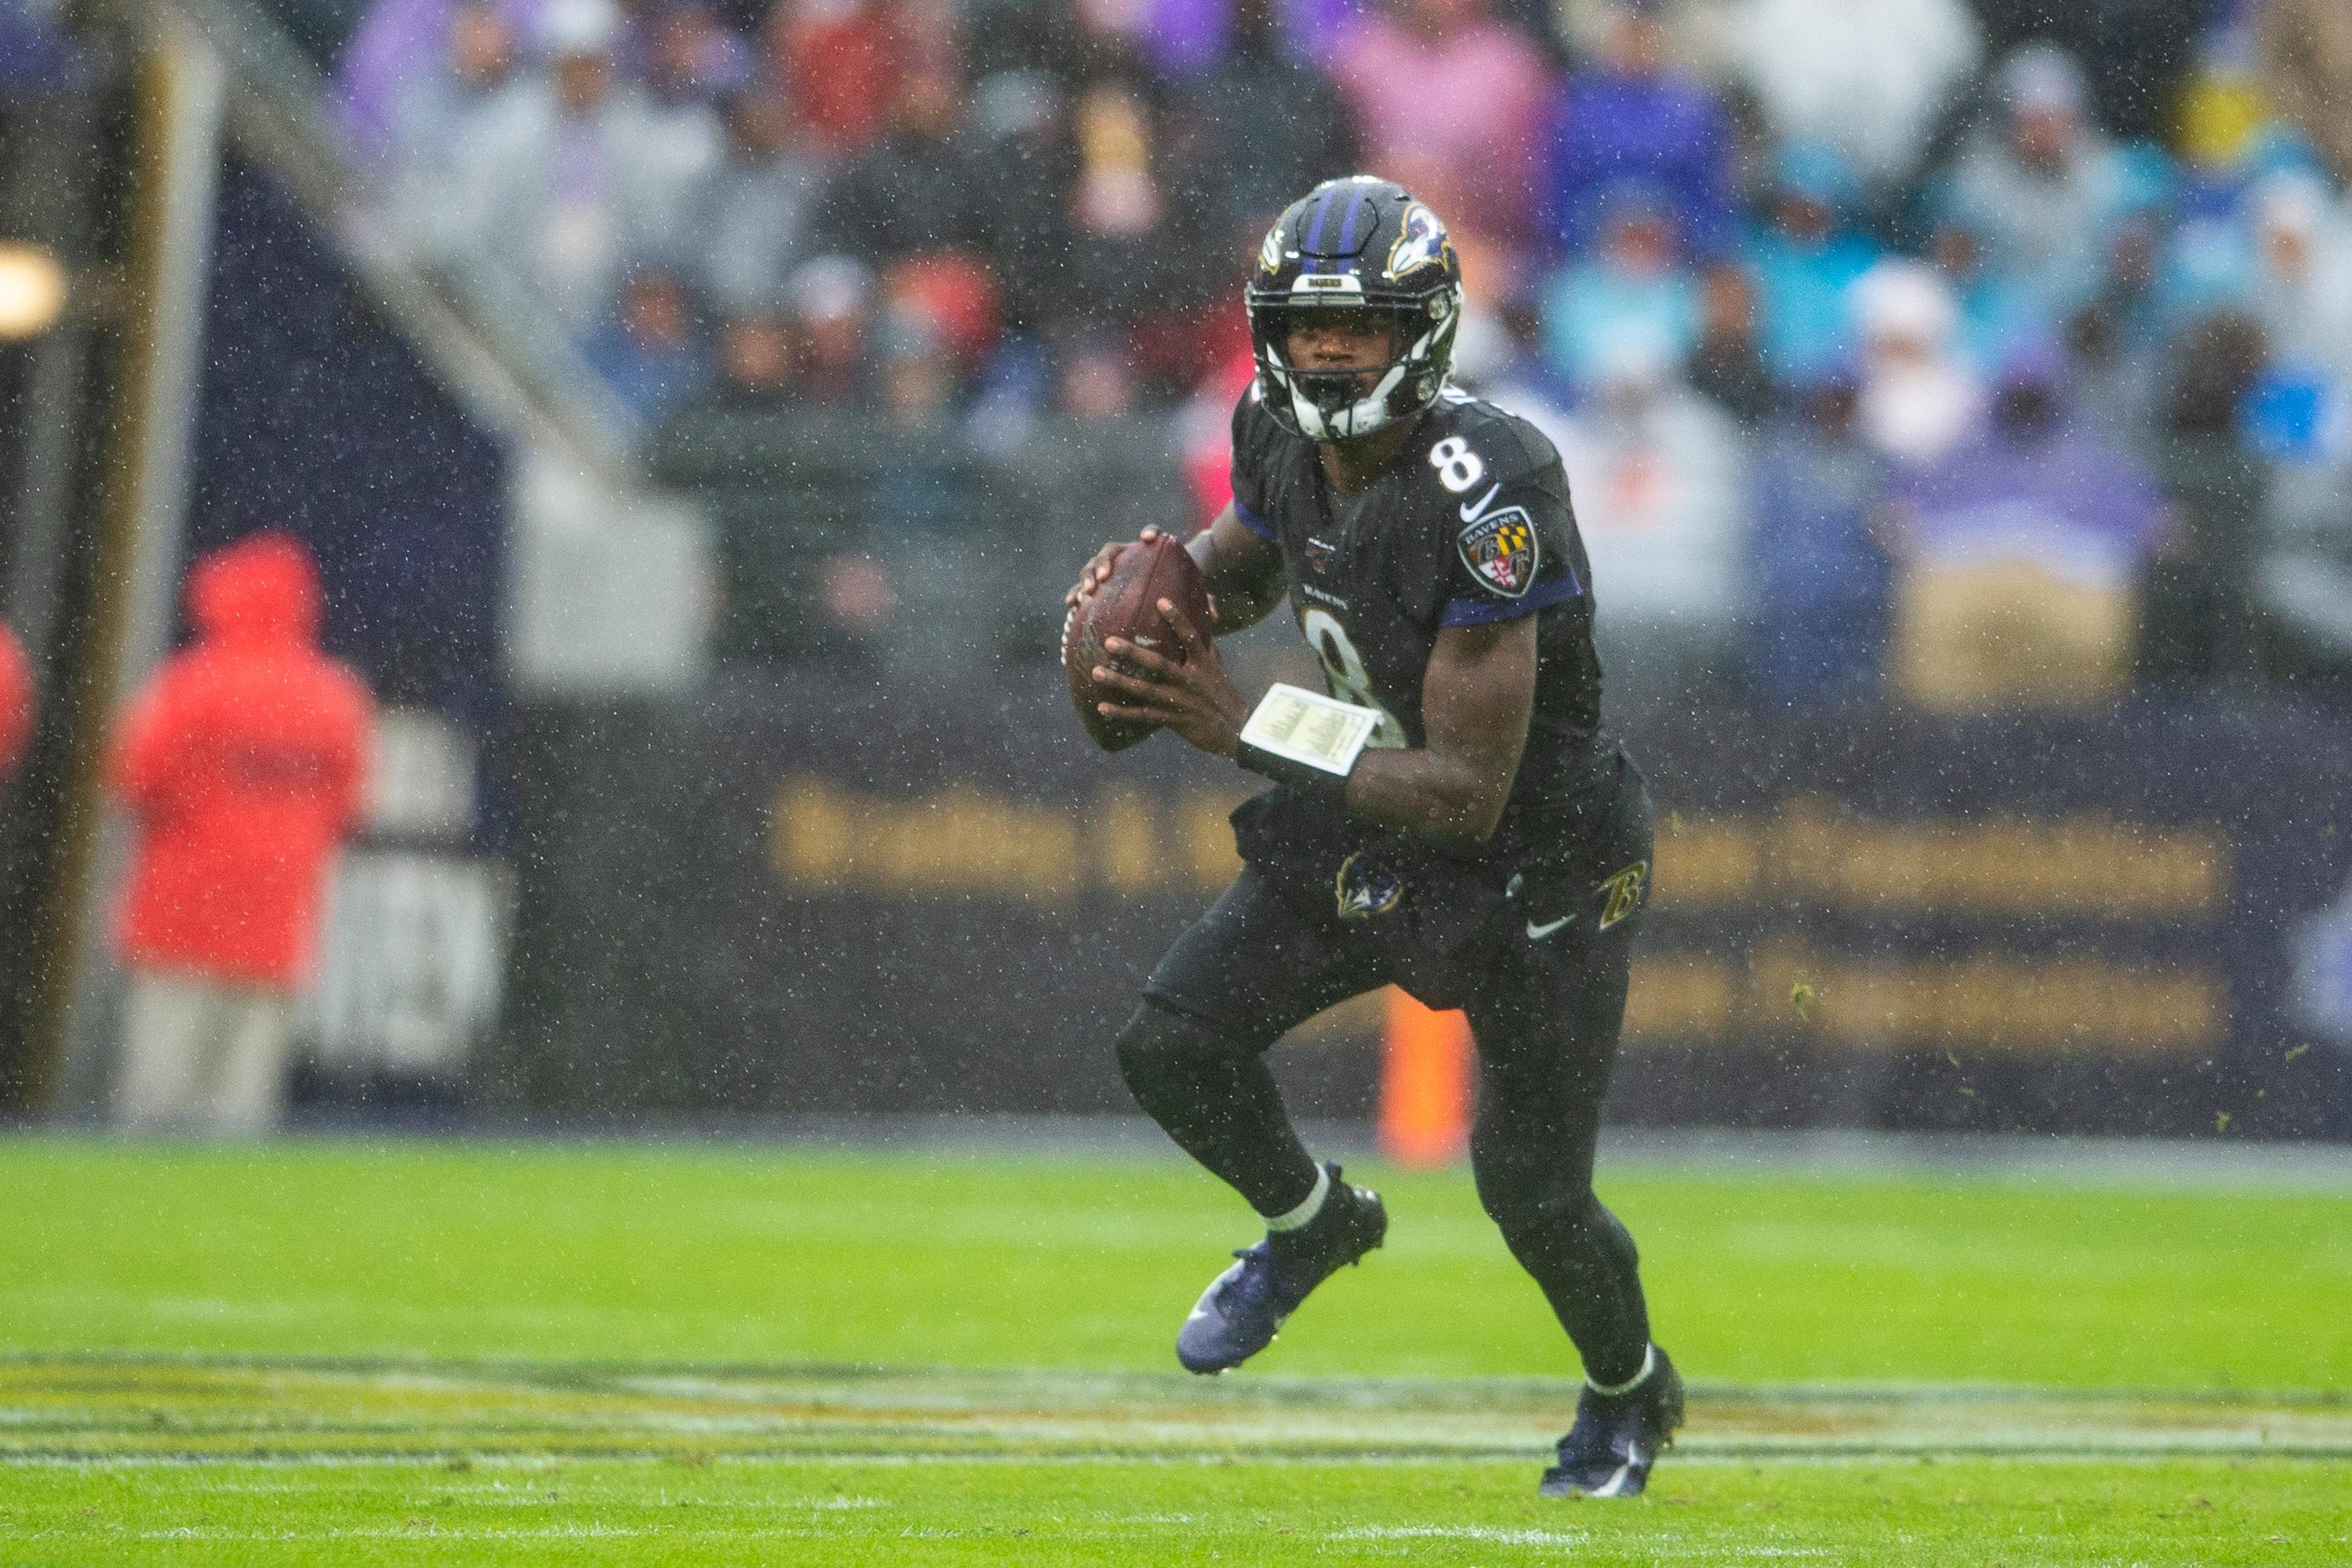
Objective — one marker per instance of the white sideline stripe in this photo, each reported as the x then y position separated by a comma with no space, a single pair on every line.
957,1387
435,1462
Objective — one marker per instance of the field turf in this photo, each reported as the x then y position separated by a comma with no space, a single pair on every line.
332,1352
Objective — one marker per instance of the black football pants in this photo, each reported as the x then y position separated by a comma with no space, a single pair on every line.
1546,1014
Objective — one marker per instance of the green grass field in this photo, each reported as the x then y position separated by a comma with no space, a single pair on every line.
332,1352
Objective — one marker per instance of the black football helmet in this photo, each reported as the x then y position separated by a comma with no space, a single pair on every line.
1359,244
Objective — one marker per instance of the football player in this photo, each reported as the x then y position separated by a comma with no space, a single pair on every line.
1488,850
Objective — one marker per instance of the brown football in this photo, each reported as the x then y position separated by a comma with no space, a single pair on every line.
1127,606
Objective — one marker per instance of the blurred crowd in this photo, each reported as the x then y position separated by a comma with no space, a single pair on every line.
1922,343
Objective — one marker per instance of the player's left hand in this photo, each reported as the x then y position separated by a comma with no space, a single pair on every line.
1196,698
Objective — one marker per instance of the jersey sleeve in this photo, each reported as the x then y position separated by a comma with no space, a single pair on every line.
1253,431
1511,554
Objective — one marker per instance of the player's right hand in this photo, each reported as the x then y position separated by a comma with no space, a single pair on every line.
1097,571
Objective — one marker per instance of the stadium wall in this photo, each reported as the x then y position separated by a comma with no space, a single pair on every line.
817,892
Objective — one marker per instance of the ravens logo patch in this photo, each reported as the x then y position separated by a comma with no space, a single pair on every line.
1365,888
1500,549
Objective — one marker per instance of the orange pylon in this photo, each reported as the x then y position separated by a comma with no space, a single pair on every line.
1425,1084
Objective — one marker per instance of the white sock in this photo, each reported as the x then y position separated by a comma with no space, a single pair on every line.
1307,1210
1649,1365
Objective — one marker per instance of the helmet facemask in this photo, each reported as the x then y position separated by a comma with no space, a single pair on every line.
1343,404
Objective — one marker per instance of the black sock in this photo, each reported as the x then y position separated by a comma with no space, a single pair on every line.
1590,1271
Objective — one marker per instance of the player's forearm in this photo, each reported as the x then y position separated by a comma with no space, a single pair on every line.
1454,800
1476,697
1239,572
1243,605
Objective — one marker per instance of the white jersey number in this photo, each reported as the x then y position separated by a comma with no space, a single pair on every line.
1458,467
1344,672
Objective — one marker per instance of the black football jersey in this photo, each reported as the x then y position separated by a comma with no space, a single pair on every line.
1468,524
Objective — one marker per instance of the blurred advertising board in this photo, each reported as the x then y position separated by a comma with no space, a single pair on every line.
412,951
2125,921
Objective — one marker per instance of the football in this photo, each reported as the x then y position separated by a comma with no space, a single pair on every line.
1127,606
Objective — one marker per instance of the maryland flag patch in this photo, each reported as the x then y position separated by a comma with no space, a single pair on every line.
1500,549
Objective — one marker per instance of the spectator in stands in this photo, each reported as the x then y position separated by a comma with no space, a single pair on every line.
650,352
1097,385
569,179
2305,64
2020,554
688,63
16,704
1123,259
760,364
1633,285
2047,186
1450,103
843,61
1995,311
1184,39
1500,356
2118,339
2300,275
922,473
431,106
1632,119
1034,41
693,57
243,763
1697,33
2296,418
1867,79
761,204
1021,136
918,373
2135,49
429,120
1205,434
1257,161
955,300
2198,610
1821,576
1805,259
2304,579
394,50
1919,398
1660,497
1727,364
831,302
924,486
915,189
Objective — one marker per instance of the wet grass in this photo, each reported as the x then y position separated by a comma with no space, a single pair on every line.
471,1353
1969,1514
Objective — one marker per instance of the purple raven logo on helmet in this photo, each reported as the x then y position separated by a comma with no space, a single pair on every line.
1421,241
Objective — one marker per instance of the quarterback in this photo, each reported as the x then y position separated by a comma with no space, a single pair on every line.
1483,846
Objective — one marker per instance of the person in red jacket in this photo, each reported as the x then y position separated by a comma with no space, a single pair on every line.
243,761
16,704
